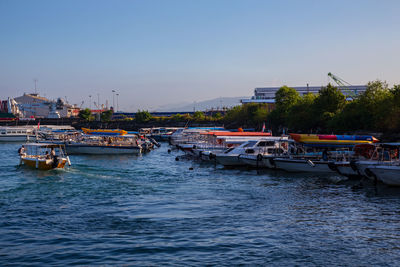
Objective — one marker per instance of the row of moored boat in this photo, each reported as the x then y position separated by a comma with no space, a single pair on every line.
352,156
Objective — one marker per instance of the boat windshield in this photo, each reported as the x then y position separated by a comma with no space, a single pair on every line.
250,144
229,150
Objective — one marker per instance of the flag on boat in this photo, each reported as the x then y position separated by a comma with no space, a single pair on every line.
263,128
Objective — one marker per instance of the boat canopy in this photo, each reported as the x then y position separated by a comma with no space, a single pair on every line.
390,145
44,145
218,133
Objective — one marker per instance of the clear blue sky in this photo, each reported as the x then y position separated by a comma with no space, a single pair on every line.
161,52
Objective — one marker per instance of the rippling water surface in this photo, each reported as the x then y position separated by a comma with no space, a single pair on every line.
153,210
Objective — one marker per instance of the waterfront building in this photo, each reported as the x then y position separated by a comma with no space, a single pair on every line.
34,105
267,94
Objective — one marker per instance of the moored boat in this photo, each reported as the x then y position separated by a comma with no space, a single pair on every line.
231,156
17,134
102,145
387,174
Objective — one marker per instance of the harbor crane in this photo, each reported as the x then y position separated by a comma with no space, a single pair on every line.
343,86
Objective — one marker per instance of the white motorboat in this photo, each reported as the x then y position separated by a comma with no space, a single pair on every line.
231,156
383,154
271,150
101,145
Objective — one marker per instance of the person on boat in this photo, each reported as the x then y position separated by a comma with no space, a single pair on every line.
325,155
52,153
21,151
386,155
47,155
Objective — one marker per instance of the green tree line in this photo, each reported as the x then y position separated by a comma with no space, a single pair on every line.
378,109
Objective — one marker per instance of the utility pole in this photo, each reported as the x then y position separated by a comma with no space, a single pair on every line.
35,80
117,102
113,91
90,101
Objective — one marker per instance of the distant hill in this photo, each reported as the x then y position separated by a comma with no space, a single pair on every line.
202,105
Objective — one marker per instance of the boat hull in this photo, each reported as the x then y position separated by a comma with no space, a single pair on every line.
363,168
101,150
389,175
229,160
43,164
302,165
17,138
344,168
267,161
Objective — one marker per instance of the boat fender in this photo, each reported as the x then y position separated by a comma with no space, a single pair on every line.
37,163
353,165
332,166
259,157
309,162
69,162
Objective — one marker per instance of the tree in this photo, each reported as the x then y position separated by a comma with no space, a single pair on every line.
300,116
217,116
391,121
374,105
86,114
285,98
106,115
143,116
329,102
198,116
177,117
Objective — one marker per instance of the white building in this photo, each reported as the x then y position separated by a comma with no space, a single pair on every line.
33,105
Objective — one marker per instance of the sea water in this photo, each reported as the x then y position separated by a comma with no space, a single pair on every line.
154,210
